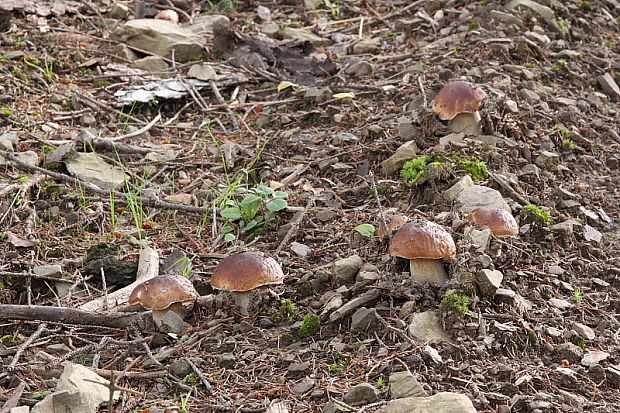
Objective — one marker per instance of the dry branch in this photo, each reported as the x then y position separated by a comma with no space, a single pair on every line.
66,315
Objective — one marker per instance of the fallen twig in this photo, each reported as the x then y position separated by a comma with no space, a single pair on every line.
69,315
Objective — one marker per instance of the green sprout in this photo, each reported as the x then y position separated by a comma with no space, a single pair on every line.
569,143
540,216
380,382
577,295
414,169
455,301
310,325
475,167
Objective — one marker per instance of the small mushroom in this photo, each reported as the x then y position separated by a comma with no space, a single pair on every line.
162,294
424,244
498,220
243,272
458,102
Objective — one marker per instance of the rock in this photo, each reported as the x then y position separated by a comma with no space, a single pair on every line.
65,401
555,270
394,163
546,159
301,250
456,139
594,357
559,303
443,402
453,192
530,169
151,64
20,409
54,271
305,36
544,11
568,351
407,25
365,319
565,228
406,130
161,37
303,386
360,394
364,46
318,95
539,38
90,167
360,69
344,270
367,272
584,331
30,157
226,360
171,322
325,214
263,13
202,72
479,237
591,234
609,85
331,406
529,95
118,11
426,326
204,24
476,196
489,281
403,384
78,377
506,18
297,369
512,106
8,141
124,52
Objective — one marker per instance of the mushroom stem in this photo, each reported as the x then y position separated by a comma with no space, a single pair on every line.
425,270
242,299
157,316
465,123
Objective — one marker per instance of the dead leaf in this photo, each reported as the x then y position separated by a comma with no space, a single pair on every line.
18,241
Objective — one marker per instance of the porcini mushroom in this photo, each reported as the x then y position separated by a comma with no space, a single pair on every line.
243,272
458,102
162,294
498,220
425,244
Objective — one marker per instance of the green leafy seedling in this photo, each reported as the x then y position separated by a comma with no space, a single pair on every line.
310,325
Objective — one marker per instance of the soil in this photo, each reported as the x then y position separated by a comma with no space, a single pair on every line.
517,351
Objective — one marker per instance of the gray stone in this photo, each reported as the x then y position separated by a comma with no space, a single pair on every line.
565,227
344,270
313,4
591,234
90,167
364,46
263,13
406,130
426,326
301,250
65,401
161,37
360,394
609,85
171,322
270,29
54,271
559,303
20,409
555,270
394,163
360,69
202,72
568,351
8,141
477,196
403,384
227,360
325,215
305,36
318,94
584,331
119,11
530,169
512,106
81,378
489,281
297,369
124,52
594,357
204,24
529,95
539,38
479,238
546,159
151,64
506,18
443,402
303,386
543,11
365,319
407,25
453,192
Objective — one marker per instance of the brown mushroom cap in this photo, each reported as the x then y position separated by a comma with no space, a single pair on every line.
423,240
245,271
500,221
161,292
457,97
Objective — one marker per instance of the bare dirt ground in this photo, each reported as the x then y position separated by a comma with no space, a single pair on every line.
549,138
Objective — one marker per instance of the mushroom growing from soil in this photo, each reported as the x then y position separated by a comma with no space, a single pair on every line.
498,220
162,294
243,272
458,102
425,244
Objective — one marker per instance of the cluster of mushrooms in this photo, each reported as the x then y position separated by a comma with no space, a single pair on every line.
425,244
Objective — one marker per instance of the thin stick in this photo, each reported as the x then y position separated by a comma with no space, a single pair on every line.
422,91
371,176
23,346
220,99
139,131
295,225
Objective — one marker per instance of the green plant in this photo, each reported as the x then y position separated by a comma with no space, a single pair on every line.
366,230
380,382
227,5
560,129
415,168
47,69
310,325
560,66
530,65
338,366
22,178
540,216
474,25
455,301
191,378
333,7
6,112
585,6
286,311
475,167
577,295
563,24
40,394
184,399
45,149
569,143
